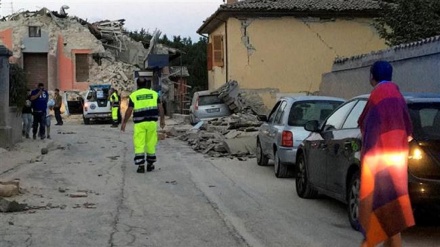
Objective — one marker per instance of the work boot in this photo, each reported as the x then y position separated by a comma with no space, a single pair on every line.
114,126
27,136
141,169
34,136
48,136
150,167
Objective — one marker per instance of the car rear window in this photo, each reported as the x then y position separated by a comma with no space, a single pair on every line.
304,111
209,100
425,118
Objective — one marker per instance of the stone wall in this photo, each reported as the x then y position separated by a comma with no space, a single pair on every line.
8,115
416,69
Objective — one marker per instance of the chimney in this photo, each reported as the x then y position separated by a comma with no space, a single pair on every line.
231,1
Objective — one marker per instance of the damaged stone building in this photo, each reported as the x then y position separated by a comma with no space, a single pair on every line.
282,47
69,53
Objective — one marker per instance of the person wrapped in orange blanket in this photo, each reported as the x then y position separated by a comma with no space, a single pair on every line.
385,208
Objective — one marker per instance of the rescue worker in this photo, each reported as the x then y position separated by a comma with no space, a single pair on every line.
146,107
114,102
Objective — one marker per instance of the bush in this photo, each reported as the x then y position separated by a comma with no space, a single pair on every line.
17,86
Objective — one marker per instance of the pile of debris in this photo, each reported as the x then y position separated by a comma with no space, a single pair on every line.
118,74
232,136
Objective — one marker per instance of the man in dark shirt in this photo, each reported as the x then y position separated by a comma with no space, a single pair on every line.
39,98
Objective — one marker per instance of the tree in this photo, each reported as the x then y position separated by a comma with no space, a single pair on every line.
404,21
17,86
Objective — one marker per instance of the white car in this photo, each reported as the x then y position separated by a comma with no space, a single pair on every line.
96,104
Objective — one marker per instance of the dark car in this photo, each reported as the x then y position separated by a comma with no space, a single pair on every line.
329,158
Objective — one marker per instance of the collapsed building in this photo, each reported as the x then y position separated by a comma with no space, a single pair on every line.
70,53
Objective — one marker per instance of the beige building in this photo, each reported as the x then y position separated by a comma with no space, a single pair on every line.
283,47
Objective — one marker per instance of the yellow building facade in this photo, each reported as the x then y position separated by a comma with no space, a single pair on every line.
282,53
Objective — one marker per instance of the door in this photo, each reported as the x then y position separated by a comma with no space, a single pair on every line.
277,127
35,66
341,150
320,151
265,128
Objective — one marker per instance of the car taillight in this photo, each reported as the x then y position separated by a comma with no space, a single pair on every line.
197,104
287,139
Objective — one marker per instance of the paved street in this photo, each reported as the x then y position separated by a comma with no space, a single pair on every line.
189,200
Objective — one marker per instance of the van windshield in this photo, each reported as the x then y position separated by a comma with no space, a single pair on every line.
304,111
212,99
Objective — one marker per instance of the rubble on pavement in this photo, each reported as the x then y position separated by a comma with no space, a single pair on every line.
232,136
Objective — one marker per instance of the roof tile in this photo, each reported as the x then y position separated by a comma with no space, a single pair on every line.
304,5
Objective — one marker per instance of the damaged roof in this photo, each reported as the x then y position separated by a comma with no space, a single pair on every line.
299,8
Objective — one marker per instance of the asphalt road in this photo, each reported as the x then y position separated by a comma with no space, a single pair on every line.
189,200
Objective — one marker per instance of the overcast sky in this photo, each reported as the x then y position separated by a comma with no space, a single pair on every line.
172,17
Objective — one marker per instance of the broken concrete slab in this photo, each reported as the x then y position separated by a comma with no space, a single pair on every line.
9,188
11,206
241,146
232,134
78,194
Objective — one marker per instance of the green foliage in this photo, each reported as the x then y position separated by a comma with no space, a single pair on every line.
194,57
17,86
404,21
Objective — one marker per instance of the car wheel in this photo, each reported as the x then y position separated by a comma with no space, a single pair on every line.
303,188
86,120
353,201
262,160
281,170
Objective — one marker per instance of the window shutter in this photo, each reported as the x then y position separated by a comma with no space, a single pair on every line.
218,51
209,56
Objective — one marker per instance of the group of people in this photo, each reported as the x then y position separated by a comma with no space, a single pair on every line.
36,112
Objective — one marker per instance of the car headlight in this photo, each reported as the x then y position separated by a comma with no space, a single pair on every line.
416,154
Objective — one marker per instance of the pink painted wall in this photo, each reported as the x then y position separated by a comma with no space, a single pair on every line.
66,68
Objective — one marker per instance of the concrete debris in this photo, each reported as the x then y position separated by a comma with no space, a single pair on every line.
241,101
11,206
78,194
232,136
9,188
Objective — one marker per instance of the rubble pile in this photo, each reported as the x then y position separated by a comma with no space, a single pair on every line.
232,136
118,74
241,100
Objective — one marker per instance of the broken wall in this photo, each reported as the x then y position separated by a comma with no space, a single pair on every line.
416,69
288,54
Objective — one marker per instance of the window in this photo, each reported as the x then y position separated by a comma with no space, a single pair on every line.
304,111
34,31
82,67
273,112
352,119
217,51
280,113
210,100
337,118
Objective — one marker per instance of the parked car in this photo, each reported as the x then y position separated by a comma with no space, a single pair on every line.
96,105
283,130
207,105
329,159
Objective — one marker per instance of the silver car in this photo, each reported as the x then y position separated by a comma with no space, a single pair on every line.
283,130
206,105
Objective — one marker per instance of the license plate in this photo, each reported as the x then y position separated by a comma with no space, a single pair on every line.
213,110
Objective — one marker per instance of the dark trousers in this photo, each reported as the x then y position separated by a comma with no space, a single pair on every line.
57,112
39,119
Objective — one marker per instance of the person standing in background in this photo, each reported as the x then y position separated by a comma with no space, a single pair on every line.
39,98
26,115
57,107
50,107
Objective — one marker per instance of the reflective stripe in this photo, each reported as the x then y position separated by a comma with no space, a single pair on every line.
146,109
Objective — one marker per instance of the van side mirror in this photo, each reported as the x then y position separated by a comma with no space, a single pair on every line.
262,118
312,126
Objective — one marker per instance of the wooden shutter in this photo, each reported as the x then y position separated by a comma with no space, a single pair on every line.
218,50
209,56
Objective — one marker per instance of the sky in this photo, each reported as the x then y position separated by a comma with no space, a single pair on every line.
172,17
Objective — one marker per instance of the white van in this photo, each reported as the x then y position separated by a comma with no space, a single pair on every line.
96,104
